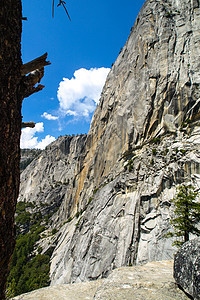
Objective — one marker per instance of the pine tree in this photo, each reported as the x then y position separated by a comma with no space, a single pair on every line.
186,214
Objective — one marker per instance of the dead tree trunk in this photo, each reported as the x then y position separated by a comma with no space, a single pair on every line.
14,86
10,128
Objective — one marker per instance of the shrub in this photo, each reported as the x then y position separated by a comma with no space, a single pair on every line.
95,190
156,140
154,151
130,168
54,231
183,151
90,199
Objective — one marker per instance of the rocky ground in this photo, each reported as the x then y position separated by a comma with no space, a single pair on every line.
153,281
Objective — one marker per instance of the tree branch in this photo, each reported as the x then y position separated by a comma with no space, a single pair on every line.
28,83
30,124
32,90
35,64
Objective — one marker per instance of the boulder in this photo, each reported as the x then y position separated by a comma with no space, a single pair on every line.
187,268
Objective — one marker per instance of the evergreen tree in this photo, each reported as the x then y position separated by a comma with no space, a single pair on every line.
186,214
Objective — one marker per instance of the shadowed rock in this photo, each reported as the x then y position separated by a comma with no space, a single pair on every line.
187,268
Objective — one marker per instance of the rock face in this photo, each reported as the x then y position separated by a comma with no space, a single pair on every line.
153,281
187,268
112,188
47,180
27,156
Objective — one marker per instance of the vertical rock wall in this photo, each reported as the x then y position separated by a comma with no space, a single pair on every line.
143,141
152,88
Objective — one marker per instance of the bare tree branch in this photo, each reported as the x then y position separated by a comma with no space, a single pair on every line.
30,124
33,90
35,64
63,4
28,83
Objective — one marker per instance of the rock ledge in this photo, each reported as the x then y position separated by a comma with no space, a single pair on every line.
151,281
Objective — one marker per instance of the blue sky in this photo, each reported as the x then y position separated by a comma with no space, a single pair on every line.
81,53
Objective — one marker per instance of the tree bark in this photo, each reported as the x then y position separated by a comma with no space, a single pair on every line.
10,128
35,64
14,87
187,221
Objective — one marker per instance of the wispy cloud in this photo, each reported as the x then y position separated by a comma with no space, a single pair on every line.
49,116
79,95
29,140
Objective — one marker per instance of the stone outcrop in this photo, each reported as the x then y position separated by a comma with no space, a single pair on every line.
187,268
109,193
153,281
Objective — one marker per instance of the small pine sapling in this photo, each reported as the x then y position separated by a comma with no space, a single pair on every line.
186,214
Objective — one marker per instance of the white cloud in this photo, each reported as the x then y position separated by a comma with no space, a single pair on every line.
48,116
29,140
79,95
46,141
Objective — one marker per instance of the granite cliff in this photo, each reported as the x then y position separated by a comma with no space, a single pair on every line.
108,193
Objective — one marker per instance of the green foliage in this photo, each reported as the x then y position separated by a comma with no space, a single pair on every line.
129,165
166,151
95,190
156,140
68,220
130,264
169,14
30,204
26,276
130,168
54,231
27,270
26,273
183,151
172,157
90,200
128,153
154,151
20,207
185,124
186,214
152,162
39,250
77,214
23,219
